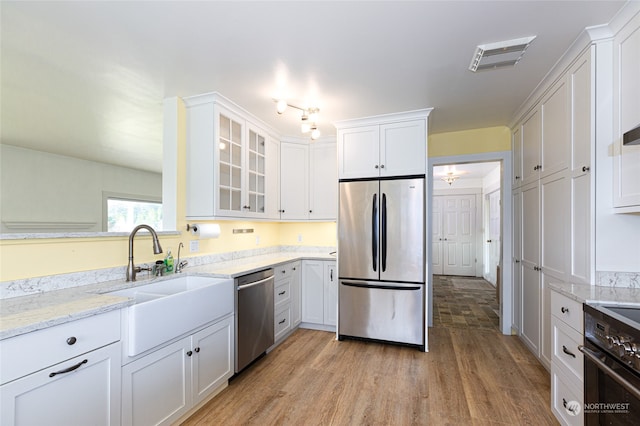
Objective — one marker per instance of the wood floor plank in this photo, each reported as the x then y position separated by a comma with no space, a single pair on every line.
472,375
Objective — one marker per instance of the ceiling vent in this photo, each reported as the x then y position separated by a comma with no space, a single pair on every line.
500,54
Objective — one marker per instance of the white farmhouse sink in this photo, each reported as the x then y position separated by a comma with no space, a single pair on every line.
167,309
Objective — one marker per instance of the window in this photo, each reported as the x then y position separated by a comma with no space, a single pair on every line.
125,214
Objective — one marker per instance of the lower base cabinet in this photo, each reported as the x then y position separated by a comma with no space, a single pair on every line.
319,294
161,387
86,395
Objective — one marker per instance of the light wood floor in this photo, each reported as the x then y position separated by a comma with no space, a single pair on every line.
469,376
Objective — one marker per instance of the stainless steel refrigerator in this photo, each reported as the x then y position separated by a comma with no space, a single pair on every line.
381,267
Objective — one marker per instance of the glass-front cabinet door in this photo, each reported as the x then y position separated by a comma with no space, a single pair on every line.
256,172
230,166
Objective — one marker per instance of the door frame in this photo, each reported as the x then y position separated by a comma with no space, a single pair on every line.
506,282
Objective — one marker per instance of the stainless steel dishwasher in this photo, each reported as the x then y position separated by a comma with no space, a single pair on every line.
254,316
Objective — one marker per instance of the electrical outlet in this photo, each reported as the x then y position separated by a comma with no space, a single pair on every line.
299,238
194,246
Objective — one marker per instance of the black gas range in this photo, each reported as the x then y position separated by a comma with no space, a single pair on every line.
612,364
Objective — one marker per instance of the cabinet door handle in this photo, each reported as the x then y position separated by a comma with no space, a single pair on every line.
281,293
517,177
564,310
517,260
283,321
567,351
488,241
331,275
585,168
70,369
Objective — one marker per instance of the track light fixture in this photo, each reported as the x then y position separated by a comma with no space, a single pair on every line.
309,117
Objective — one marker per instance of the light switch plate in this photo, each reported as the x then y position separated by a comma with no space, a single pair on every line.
194,246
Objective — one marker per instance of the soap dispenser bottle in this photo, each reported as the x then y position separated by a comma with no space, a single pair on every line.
168,262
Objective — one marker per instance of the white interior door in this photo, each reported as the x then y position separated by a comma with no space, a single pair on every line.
493,241
437,239
459,234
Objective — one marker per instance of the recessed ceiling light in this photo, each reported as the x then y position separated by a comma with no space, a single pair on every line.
500,54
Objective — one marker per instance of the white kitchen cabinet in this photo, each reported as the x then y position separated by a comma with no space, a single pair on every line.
319,294
286,299
67,374
162,386
567,362
555,146
531,283
386,145
330,294
517,158
323,181
531,141
228,156
582,147
294,181
517,260
626,117
309,180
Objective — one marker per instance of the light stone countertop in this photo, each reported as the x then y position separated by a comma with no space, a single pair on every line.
585,293
19,315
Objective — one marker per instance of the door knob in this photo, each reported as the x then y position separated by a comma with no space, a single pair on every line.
488,241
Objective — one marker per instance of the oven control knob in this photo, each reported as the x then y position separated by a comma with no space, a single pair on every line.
612,341
624,349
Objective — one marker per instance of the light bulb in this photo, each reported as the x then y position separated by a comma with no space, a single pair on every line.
313,115
305,127
315,133
281,106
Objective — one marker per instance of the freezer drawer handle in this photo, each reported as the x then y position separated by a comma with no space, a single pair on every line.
379,286
374,232
70,369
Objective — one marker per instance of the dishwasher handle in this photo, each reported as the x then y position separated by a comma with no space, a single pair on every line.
255,283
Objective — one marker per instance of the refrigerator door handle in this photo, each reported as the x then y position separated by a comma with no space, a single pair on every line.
384,232
380,286
374,232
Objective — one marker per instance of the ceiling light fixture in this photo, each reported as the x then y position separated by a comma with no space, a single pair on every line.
450,178
309,117
500,54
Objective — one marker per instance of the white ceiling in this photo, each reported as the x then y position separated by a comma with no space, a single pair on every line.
88,78
466,171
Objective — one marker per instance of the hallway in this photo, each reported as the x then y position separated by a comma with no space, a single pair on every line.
466,302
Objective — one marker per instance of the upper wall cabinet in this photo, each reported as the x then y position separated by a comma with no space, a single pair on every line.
386,145
626,114
232,163
309,180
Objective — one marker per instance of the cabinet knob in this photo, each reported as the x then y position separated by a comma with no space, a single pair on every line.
488,241
71,340
585,168
310,211
517,260
382,166
377,166
189,353
197,349
564,310
517,177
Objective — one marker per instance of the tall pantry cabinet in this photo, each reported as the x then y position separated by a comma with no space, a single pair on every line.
552,148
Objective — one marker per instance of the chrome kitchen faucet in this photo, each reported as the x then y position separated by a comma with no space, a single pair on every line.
131,268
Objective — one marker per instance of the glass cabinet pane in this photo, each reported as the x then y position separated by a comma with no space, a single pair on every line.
236,180
236,132
225,175
225,127
236,155
225,199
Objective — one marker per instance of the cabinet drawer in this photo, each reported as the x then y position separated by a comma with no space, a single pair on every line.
282,322
27,353
285,271
564,395
565,349
567,310
282,294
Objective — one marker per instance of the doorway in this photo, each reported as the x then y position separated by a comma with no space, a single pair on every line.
502,220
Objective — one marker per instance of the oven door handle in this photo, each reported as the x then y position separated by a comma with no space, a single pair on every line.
593,356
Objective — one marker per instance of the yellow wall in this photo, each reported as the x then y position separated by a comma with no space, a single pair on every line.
474,141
